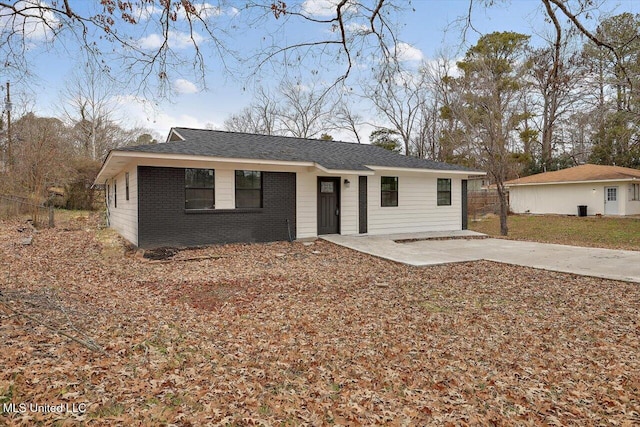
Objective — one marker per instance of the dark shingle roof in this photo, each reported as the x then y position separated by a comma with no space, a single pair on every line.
329,154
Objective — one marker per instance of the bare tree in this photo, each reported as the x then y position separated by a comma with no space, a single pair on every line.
399,97
344,118
42,154
87,104
293,110
110,31
260,116
305,111
490,90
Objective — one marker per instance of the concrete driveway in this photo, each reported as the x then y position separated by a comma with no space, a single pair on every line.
467,246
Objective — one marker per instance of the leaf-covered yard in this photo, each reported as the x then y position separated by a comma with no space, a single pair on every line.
288,334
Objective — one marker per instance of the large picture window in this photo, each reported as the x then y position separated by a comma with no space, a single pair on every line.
248,189
389,191
444,192
199,189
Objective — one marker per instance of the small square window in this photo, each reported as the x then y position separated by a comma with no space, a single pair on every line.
326,186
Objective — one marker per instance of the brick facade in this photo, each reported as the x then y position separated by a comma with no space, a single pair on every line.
163,220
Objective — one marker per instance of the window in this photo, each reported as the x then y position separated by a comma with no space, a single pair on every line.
635,191
444,192
389,191
248,189
108,195
115,194
126,185
199,189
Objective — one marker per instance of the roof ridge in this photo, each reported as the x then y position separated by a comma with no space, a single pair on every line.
274,136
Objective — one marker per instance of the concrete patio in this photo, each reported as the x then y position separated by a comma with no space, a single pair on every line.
421,249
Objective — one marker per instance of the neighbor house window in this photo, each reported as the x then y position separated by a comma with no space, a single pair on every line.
248,189
115,194
389,191
635,191
444,192
199,189
126,185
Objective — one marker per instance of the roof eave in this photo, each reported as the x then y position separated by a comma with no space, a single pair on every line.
572,182
425,170
103,175
343,171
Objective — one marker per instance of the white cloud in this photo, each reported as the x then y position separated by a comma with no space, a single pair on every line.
32,21
323,7
177,40
319,7
207,10
140,112
354,27
183,86
406,52
440,67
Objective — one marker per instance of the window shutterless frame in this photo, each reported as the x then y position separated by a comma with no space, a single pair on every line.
388,191
126,185
444,192
248,189
199,189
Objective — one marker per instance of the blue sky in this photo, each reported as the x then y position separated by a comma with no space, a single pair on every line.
429,29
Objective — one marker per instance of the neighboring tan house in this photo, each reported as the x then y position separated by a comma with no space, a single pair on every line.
604,190
205,187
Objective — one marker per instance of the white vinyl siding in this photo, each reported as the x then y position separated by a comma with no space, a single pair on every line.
307,204
124,218
417,199
563,199
349,205
557,199
417,209
225,188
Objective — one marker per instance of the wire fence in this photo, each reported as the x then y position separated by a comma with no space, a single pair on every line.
14,206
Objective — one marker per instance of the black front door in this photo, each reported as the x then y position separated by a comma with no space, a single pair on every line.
328,205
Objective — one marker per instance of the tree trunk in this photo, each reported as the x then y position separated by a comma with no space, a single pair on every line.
504,209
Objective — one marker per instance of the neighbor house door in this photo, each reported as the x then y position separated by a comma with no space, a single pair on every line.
328,205
611,200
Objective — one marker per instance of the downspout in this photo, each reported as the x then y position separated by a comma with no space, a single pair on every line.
289,230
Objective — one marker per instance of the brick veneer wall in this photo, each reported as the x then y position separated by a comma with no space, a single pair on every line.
163,220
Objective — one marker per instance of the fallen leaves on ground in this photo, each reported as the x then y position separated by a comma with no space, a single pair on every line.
293,334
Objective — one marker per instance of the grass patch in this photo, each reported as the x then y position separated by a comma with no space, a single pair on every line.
108,411
601,232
